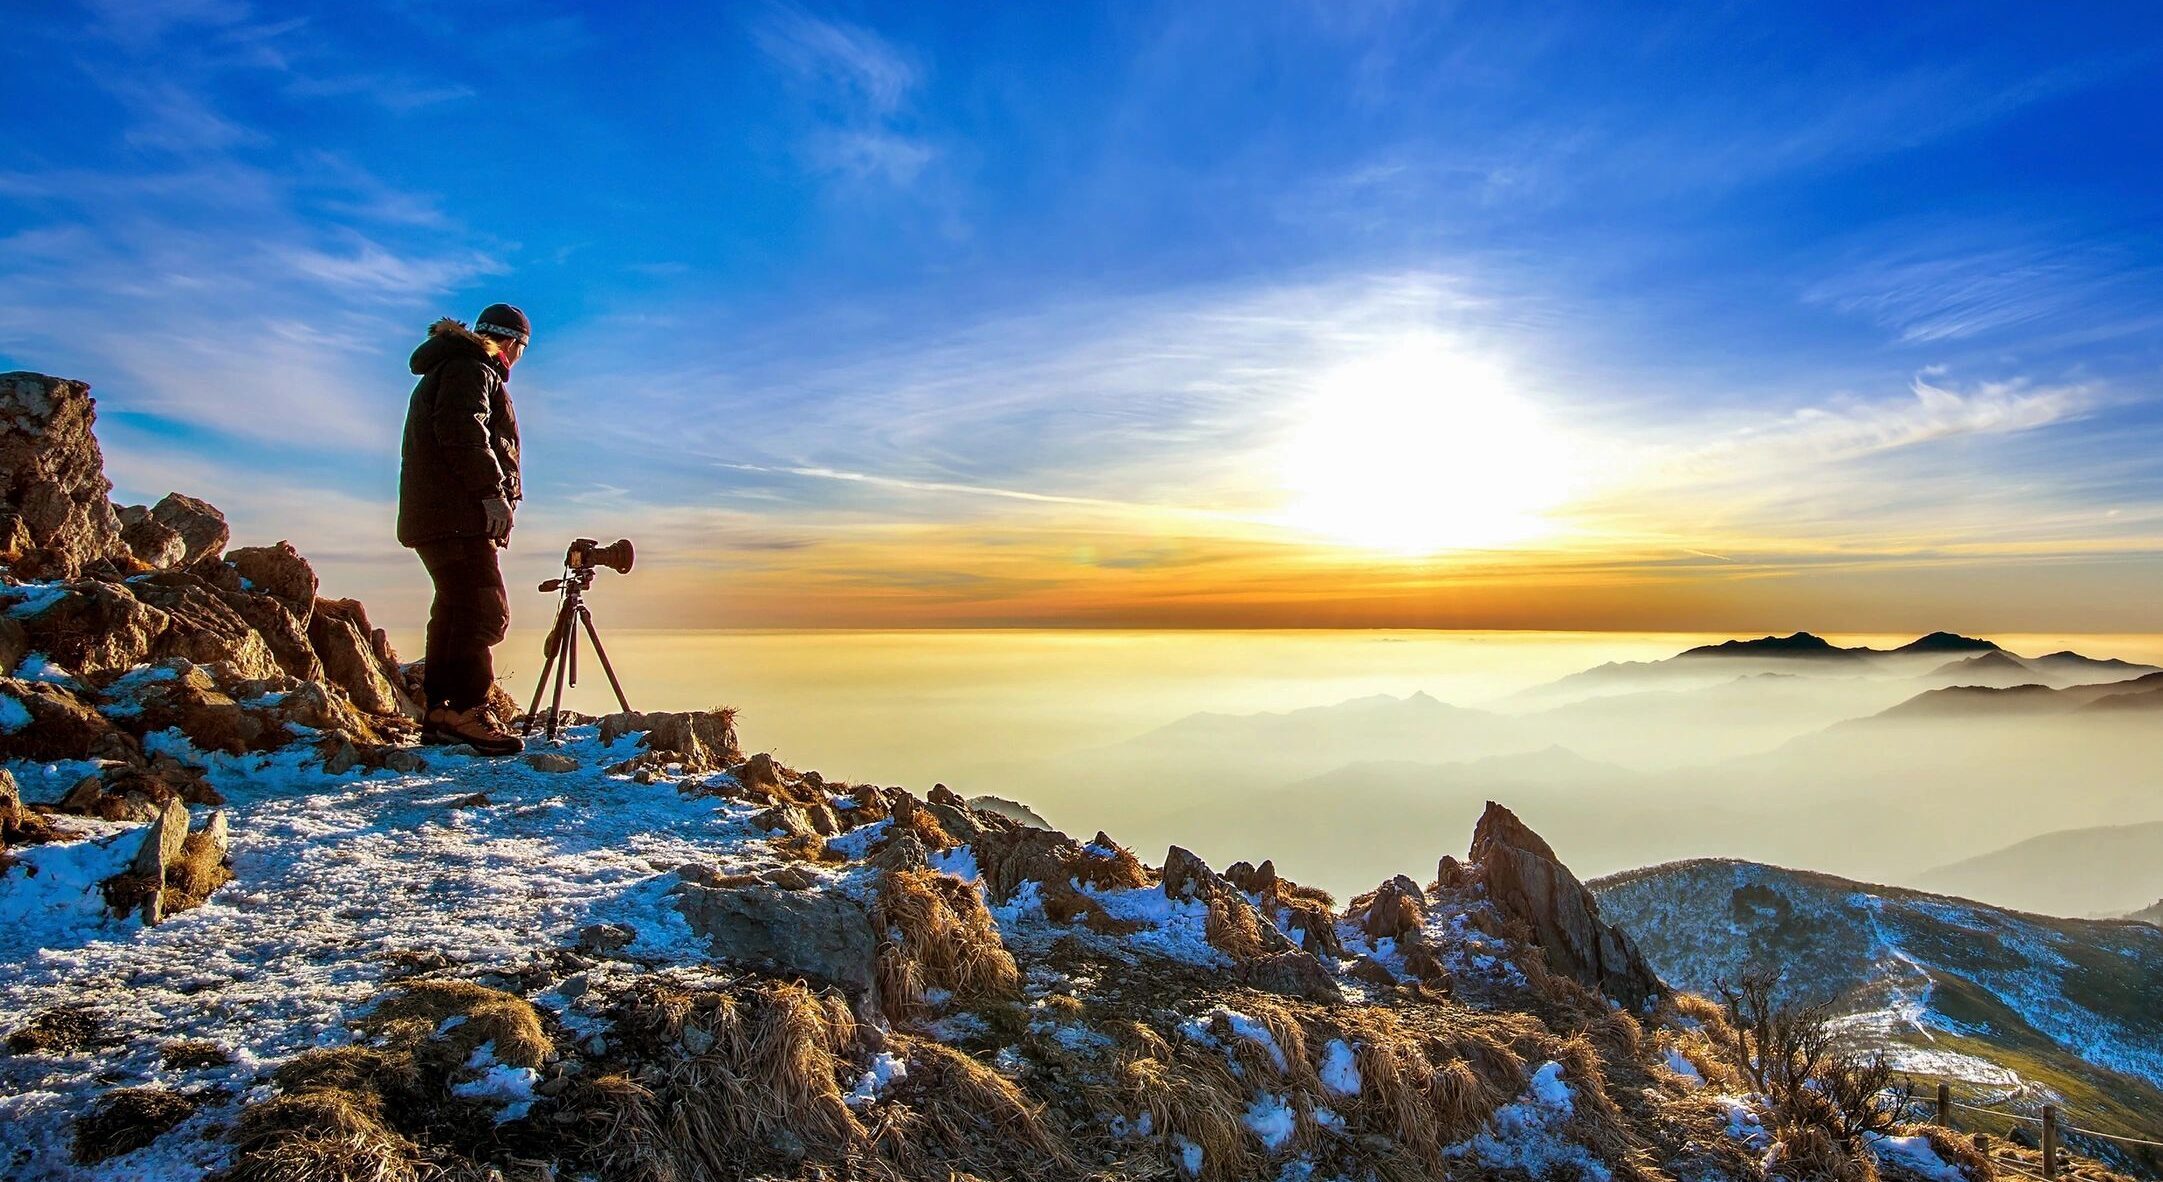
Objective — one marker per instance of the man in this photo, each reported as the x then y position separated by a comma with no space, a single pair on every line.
457,483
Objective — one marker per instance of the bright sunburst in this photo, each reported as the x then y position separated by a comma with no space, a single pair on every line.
1421,448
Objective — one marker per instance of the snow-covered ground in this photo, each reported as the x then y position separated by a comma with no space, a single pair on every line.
337,881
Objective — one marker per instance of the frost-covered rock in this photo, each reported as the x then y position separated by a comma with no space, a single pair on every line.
823,935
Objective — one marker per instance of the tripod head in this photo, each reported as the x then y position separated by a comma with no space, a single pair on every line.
585,556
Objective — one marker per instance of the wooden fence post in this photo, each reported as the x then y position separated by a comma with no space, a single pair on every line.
2050,1141
1945,1105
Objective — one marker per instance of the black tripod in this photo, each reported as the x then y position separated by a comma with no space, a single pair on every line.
561,647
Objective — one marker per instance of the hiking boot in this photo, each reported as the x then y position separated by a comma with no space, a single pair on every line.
476,728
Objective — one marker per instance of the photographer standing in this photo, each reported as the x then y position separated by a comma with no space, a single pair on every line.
457,483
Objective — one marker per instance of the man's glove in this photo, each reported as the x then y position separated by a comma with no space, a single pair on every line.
497,511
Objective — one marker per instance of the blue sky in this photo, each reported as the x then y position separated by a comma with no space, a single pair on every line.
1844,315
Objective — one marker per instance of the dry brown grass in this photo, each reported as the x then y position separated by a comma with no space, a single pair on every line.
967,1114
193,1054
1189,1093
948,941
126,1120
329,1124
411,1017
730,1077
1117,870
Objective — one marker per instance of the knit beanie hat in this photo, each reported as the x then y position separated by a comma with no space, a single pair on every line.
503,320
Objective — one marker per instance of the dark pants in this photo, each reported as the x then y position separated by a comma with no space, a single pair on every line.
470,615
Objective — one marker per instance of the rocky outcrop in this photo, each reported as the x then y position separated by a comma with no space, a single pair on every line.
819,934
694,741
1528,884
1266,957
55,519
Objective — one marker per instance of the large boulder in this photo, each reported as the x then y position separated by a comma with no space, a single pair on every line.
52,481
205,628
1530,885
279,572
347,648
89,627
200,526
153,543
700,740
819,934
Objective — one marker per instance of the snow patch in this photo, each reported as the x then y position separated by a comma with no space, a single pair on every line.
1529,1133
1340,1068
1270,1118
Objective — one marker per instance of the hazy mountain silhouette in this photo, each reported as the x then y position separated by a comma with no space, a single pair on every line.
2098,871
1994,668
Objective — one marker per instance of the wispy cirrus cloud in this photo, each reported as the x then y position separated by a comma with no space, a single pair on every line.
1963,283
857,87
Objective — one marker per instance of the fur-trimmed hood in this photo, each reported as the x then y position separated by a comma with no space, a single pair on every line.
448,338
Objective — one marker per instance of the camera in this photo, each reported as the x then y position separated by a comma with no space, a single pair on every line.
585,553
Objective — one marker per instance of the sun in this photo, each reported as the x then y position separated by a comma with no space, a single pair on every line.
1419,449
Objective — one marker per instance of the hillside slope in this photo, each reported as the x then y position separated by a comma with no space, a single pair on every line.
2021,1010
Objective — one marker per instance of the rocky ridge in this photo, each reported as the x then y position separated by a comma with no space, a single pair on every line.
759,973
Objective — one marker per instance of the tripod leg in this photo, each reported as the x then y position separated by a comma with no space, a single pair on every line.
586,617
549,648
565,655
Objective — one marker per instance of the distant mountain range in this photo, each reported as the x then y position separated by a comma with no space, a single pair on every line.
2100,871
2046,1010
1750,748
1809,654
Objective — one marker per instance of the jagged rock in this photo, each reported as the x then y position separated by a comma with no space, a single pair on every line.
279,572
52,480
1294,974
1398,907
173,868
1449,874
154,545
204,627
60,726
1236,927
162,841
903,851
819,934
160,849
759,772
286,634
201,527
551,762
700,740
90,627
357,658
1528,883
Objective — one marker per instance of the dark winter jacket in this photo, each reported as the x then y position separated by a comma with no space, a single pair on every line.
461,445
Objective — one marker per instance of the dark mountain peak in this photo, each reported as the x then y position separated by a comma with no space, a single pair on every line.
1799,644
1948,642
1997,660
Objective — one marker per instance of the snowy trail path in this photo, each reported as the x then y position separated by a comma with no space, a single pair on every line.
334,875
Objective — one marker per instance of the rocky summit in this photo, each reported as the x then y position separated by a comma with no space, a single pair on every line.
251,931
